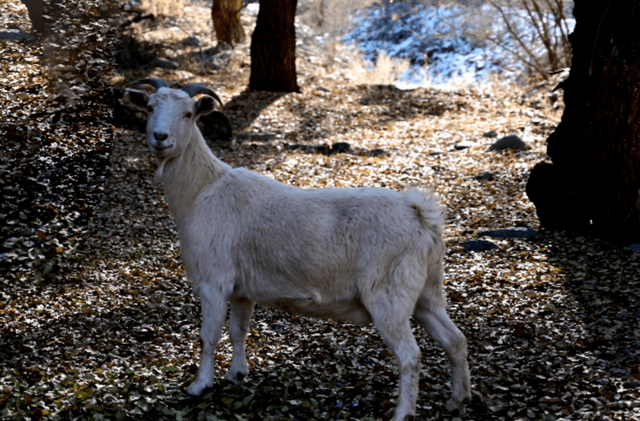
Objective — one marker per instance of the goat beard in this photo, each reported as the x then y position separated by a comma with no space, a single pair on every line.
157,178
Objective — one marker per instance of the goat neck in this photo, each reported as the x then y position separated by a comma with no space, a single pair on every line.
189,174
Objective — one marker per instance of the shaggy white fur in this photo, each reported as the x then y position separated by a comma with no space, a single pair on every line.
362,255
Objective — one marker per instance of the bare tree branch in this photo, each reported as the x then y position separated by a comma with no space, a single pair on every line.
533,59
548,24
512,52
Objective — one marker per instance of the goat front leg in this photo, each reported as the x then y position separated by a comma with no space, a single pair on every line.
442,330
214,313
241,312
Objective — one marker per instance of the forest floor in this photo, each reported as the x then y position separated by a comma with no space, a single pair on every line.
98,321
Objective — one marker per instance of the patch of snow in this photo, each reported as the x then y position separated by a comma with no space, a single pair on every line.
448,44
253,8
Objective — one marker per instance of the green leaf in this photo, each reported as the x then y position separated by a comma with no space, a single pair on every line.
47,268
246,400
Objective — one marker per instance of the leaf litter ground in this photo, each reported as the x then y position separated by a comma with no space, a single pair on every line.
109,330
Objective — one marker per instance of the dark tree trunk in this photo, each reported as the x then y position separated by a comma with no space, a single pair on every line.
226,22
34,7
595,176
273,48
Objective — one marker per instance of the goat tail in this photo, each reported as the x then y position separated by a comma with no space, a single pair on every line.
427,208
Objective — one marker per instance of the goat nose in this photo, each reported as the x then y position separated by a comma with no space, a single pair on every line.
160,136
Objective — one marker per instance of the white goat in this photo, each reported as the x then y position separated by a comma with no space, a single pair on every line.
360,255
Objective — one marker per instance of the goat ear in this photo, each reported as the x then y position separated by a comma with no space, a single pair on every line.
137,98
205,105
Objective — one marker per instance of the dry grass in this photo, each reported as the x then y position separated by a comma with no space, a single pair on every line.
386,71
330,19
174,8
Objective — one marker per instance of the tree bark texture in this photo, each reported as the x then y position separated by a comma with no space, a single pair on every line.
226,21
34,7
273,48
594,180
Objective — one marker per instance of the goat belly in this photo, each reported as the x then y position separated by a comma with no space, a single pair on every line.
351,311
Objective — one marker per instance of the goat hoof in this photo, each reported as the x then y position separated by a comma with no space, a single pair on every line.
391,415
236,378
456,409
196,389
192,392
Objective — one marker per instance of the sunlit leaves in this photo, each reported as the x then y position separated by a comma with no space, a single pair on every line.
111,328
56,133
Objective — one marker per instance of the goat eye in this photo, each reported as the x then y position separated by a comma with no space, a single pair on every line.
188,115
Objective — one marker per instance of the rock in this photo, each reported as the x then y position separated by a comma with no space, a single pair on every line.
191,41
277,327
292,146
485,176
260,137
125,116
339,147
13,34
322,89
465,144
222,59
632,382
164,63
516,232
479,245
215,126
511,142
376,152
323,149
634,247
490,133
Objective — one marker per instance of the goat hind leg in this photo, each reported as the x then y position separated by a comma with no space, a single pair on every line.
442,330
398,337
214,313
241,312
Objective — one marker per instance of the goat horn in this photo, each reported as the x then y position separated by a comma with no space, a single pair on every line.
156,83
198,88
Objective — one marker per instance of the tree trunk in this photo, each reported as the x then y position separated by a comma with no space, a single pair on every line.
226,22
273,48
595,177
34,7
